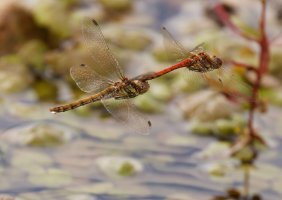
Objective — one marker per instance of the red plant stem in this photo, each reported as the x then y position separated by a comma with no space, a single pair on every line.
263,67
225,19
263,43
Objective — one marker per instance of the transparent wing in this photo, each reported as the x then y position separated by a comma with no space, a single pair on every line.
197,49
125,112
175,49
87,80
106,64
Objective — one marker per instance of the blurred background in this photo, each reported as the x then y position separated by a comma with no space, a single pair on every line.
85,154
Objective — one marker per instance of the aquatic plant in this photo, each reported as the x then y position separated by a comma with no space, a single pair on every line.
251,138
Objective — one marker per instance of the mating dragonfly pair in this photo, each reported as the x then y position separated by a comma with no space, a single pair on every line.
110,86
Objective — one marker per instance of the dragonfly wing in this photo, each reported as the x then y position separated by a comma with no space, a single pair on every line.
86,79
125,112
173,47
176,49
197,49
105,63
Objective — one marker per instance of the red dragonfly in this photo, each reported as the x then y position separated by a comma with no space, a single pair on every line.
202,65
110,86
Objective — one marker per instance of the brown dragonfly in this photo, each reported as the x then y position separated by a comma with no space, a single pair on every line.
110,86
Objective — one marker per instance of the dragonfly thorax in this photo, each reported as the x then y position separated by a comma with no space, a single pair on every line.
130,88
140,86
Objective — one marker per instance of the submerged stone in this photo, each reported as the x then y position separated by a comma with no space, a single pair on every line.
44,135
32,54
148,104
163,55
202,128
126,169
14,76
53,15
45,90
117,166
207,105
38,135
220,128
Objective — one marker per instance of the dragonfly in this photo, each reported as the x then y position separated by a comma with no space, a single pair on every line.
196,60
203,66
107,83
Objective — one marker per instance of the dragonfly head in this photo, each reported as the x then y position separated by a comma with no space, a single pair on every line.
217,62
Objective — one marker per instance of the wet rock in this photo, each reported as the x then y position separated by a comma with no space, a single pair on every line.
117,5
216,170
17,26
202,128
45,90
14,76
148,104
214,150
38,135
53,15
207,105
220,128
119,166
161,91
32,54
44,135
246,155
187,81
163,55
126,169
225,128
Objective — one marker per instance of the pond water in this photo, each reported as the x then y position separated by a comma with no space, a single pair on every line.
86,155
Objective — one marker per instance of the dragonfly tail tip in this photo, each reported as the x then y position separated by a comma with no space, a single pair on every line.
52,111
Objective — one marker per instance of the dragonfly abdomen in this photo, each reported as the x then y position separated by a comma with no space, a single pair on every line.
81,102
